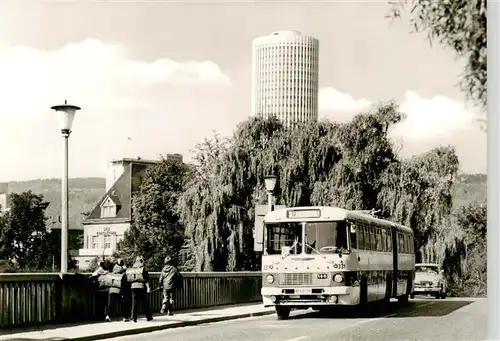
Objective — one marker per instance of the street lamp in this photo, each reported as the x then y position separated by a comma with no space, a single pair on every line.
65,114
270,182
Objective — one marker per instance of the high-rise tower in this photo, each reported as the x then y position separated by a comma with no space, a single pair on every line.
285,77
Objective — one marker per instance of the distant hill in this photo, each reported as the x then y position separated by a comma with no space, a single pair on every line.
85,192
83,195
470,188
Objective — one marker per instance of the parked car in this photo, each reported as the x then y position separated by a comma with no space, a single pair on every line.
429,280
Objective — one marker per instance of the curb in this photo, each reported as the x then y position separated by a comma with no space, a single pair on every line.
149,329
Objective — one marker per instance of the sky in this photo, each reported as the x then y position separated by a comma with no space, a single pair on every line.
159,77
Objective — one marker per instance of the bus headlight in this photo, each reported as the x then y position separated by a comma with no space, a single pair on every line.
338,278
270,279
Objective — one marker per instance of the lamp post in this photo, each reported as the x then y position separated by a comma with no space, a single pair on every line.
270,182
65,114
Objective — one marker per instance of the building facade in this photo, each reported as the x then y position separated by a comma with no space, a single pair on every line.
4,197
106,224
285,75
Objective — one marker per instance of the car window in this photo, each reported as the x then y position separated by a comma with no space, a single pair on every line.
427,269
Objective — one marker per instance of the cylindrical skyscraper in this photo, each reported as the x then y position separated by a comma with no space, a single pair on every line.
285,77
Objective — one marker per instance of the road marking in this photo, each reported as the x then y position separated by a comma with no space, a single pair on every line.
299,338
369,320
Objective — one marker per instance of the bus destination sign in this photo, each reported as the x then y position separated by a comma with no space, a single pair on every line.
312,213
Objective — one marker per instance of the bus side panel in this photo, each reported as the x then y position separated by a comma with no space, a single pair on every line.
374,266
395,274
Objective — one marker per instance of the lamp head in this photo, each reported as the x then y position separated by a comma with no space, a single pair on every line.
65,115
270,182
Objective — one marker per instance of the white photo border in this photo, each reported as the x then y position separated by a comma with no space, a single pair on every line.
493,237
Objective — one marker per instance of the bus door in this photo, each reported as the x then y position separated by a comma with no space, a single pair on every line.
394,261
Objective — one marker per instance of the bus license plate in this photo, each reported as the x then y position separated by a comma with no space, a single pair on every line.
303,291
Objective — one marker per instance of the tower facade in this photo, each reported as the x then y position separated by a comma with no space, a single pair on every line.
285,76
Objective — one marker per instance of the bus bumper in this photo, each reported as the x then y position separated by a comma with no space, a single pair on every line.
307,297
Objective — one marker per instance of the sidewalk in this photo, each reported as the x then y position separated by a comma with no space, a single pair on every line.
105,330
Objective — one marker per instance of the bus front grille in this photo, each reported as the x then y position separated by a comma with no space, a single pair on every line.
298,278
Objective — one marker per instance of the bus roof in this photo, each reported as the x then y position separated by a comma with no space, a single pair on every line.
330,213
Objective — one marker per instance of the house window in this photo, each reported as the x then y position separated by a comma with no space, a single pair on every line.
95,242
108,209
107,242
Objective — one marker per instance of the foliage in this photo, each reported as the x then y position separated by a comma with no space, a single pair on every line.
155,231
24,240
109,263
466,266
318,163
460,25
418,192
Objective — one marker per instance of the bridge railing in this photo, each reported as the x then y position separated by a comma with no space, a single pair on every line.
44,298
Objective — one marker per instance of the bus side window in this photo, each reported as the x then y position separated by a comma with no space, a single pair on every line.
373,239
368,243
389,240
379,238
384,239
353,235
360,236
366,238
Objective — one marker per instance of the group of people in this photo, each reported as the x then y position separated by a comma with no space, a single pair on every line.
123,283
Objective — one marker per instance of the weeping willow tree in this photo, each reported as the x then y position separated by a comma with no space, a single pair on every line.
318,163
418,193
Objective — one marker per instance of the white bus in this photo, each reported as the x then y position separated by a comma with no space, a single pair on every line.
326,256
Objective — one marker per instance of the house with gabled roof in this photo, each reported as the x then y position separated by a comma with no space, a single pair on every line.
107,222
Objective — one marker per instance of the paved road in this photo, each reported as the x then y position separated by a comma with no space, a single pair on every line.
422,319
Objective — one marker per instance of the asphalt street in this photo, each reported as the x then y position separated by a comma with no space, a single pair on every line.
422,319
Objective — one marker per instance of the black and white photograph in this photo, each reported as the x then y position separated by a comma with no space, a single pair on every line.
248,170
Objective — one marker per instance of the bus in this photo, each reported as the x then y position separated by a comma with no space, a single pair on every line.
321,257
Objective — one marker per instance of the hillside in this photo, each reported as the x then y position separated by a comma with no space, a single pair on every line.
85,192
83,195
470,188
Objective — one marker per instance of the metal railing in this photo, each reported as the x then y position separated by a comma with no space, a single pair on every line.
42,298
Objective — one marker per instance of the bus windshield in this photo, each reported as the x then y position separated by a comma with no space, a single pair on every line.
320,237
326,237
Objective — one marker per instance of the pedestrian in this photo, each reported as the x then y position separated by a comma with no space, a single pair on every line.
117,291
138,277
101,291
168,281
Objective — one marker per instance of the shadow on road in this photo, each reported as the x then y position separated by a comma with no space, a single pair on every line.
427,308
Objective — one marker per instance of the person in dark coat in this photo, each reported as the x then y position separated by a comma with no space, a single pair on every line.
101,293
138,276
99,271
117,291
167,282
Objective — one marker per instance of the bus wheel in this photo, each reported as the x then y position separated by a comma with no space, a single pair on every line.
388,291
363,297
363,292
403,300
282,312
